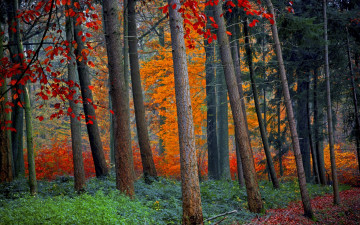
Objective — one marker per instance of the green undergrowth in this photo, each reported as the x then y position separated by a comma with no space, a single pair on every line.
158,203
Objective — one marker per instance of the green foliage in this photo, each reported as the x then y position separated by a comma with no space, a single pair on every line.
158,203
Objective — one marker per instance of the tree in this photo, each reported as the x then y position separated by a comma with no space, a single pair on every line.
253,193
75,124
192,211
263,133
142,130
289,109
89,110
119,96
329,112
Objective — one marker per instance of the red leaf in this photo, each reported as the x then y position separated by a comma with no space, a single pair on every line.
91,64
174,6
112,112
76,4
228,32
41,118
91,87
69,110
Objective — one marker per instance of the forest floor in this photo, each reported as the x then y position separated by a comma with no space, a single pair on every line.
348,212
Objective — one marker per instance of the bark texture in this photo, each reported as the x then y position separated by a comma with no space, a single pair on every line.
90,115
289,109
192,211
119,96
253,193
148,164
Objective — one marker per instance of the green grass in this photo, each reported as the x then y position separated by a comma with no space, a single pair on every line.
158,203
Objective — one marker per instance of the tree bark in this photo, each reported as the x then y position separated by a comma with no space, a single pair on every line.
213,154
90,115
30,144
253,193
279,141
75,124
119,96
192,210
289,109
264,138
142,130
329,112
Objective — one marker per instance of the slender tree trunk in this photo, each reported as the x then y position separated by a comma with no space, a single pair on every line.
17,111
318,149
142,130
329,113
162,109
253,193
75,124
192,210
6,174
90,115
279,141
354,95
211,130
289,109
222,121
119,96
270,164
30,144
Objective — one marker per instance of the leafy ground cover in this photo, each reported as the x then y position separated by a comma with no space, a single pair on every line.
158,203
348,212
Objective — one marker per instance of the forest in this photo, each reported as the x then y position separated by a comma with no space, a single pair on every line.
179,112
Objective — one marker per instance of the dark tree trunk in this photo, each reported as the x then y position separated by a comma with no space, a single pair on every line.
75,124
222,121
120,100
142,130
213,153
253,193
192,211
290,114
90,115
329,113
319,151
279,139
302,124
264,138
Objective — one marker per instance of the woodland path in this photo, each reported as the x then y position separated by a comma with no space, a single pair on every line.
347,213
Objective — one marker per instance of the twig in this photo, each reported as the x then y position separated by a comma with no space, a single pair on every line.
220,221
223,214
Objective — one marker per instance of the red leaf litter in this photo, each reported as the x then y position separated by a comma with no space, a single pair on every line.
347,213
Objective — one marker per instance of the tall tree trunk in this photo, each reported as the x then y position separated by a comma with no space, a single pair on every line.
142,130
17,111
75,124
319,151
90,115
302,125
279,141
192,210
289,109
253,193
213,153
119,96
6,174
329,112
30,144
222,120
354,95
264,138
162,109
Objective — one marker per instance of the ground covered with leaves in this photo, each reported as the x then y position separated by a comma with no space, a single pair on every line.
347,212
160,203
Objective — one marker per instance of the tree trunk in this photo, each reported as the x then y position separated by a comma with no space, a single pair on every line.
75,124
279,141
142,130
289,109
5,147
30,144
329,113
119,96
213,153
90,115
253,193
264,138
302,125
222,121
354,95
319,151
192,211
